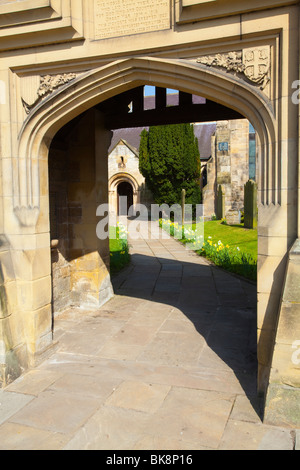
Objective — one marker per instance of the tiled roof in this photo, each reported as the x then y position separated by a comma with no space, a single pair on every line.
132,135
204,132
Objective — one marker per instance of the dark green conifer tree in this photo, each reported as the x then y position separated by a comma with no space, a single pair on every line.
170,162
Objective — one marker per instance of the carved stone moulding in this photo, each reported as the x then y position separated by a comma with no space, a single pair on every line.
252,64
46,85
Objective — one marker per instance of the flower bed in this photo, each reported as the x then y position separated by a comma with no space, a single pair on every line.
228,257
231,259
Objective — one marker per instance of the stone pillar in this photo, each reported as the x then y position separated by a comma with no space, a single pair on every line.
250,205
283,397
29,320
25,274
59,175
13,354
78,184
102,142
87,187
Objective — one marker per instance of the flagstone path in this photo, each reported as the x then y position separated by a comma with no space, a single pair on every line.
169,363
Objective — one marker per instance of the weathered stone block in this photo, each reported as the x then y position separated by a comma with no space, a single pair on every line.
265,341
270,273
7,272
289,326
10,297
39,323
79,263
282,406
272,246
85,281
34,294
286,365
267,308
12,356
61,286
292,290
224,178
233,217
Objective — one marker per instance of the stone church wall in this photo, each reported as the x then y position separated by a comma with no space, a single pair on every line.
228,166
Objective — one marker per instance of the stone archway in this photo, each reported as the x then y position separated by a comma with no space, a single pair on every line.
113,188
87,90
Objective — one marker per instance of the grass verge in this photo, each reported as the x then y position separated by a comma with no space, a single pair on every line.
233,248
119,249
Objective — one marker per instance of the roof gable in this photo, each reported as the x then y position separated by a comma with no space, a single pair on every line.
124,142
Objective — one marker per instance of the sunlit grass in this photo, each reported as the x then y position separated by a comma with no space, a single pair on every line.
119,249
232,235
233,248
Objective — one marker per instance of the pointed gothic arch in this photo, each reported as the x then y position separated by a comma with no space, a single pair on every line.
100,84
97,85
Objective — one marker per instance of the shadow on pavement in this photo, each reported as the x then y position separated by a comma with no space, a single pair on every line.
221,306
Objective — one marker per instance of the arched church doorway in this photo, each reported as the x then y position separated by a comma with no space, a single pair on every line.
125,197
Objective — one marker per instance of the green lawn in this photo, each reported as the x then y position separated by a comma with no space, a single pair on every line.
232,235
119,251
233,248
115,244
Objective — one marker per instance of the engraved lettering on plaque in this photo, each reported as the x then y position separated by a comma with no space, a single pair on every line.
115,18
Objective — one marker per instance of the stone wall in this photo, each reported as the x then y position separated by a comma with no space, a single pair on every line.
59,223
130,163
228,166
239,153
80,262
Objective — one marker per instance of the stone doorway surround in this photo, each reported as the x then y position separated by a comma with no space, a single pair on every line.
113,186
244,74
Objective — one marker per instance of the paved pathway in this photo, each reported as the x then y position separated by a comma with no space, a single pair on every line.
168,364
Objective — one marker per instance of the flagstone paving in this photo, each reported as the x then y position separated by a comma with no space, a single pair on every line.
169,363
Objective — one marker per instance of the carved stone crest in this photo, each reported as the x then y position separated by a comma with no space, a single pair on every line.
252,63
47,84
257,65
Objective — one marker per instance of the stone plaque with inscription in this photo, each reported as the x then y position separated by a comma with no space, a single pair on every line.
115,18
